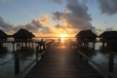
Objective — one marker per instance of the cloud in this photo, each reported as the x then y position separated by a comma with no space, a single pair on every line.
108,6
35,26
57,1
44,20
5,26
75,15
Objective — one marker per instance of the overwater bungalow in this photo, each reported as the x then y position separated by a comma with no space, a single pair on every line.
86,36
109,38
22,38
3,35
23,35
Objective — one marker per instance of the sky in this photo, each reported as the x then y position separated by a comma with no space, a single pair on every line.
21,11
66,15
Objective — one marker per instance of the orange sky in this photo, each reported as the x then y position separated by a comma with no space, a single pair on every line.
64,28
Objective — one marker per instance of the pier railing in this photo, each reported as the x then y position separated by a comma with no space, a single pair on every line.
110,70
25,54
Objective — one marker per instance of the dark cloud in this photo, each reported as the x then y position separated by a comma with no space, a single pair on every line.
58,15
5,26
77,15
57,1
34,26
108,6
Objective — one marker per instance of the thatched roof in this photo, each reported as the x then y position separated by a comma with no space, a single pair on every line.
86,34
3,35
23,34
109,35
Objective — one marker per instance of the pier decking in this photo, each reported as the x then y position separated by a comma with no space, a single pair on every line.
61,61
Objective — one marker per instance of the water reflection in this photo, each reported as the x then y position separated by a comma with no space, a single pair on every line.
6,62
104,58
24,52
65,43
3,51
25,55
100,58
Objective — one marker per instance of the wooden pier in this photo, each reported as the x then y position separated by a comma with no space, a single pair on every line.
62,62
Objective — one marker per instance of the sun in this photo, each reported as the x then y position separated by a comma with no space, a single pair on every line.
63,36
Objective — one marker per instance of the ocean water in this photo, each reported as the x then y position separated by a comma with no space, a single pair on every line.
7,68
7,60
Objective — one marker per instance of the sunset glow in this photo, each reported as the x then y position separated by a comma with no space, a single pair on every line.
63,36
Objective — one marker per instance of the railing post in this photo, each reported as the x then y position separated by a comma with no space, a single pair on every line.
36,54
44,45
111,64
16,61
94,43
